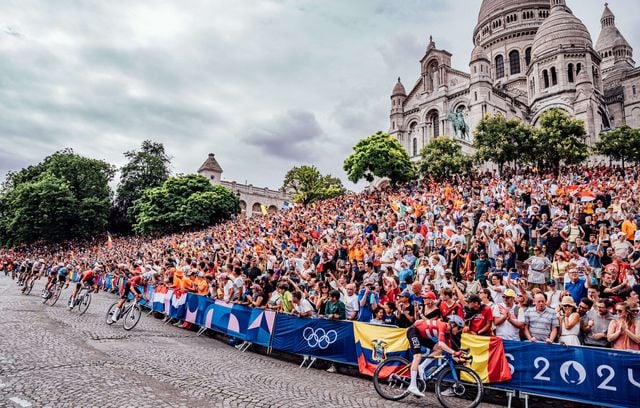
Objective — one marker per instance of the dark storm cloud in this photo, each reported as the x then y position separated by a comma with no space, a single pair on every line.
291,135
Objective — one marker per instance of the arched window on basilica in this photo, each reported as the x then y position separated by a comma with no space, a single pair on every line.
499,66
415,147
545,78
554,76
433,121
527,56
514,62
570,73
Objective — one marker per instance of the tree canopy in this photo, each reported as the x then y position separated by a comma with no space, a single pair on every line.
559,140
379,155
500,140
308,185
182,202
621,144
146,168
65,196
443,157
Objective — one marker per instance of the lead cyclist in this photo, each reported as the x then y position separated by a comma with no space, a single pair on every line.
436,335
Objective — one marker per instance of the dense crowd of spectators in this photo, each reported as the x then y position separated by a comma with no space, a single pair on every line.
525,257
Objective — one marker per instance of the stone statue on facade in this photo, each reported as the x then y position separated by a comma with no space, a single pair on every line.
460,127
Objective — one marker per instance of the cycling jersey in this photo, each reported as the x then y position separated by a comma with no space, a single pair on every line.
426,333
89,275
62,272
431,329
136,281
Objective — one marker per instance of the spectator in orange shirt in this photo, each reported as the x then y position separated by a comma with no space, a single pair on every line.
629,227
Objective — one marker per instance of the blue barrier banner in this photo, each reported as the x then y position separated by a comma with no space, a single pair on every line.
326,339
231,319
177,305
203,306
603,377
108,282
191,308
261,325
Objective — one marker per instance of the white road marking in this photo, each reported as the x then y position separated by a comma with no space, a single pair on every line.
21,402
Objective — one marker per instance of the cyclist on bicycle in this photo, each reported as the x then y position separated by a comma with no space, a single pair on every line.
59,273
53,279
33,273
90,278
132,287
435,335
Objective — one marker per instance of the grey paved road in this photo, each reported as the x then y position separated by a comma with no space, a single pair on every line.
52,357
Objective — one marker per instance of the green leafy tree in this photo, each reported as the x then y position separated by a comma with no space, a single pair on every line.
182,202
379,155
622,144
308,185
559,140
64,196
500,140
147,167
443,157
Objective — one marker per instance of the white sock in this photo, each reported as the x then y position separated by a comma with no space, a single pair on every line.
414,379
423,365
115,314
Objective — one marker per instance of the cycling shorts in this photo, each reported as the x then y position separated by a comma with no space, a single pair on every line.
89,282
416,341
127,290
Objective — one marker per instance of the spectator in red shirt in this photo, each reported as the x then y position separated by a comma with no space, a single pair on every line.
478,316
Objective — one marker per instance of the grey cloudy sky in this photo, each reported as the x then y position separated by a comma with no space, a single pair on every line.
264,84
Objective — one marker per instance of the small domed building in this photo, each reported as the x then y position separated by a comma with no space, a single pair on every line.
529,56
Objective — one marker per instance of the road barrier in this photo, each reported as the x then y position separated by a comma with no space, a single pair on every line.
599,376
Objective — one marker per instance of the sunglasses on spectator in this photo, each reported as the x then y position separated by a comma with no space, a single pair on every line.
620,310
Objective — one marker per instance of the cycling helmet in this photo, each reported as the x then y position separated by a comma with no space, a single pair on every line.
457,320
147,276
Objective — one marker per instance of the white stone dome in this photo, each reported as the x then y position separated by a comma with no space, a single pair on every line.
492,8
398,89
560,30
478,54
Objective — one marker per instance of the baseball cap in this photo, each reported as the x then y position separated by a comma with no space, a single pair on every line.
510,293
405,293
430,295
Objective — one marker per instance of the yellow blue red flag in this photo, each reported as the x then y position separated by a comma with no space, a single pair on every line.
374,344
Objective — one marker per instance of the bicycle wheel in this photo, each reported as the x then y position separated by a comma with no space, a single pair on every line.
56,295
110,313
85,301
464,391
132,317
392,378
29,287
45,296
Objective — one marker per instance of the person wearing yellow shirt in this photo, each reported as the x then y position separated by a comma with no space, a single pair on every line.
629,227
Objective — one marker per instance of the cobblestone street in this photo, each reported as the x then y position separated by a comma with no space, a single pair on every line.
52,357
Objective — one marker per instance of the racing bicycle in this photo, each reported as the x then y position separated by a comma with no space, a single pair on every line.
456,385
130,314
28,284
52,295
82,300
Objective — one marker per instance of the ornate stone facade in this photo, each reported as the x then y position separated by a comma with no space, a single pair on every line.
251,198
529,56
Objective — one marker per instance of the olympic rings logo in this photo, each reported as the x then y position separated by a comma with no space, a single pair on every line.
319,337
